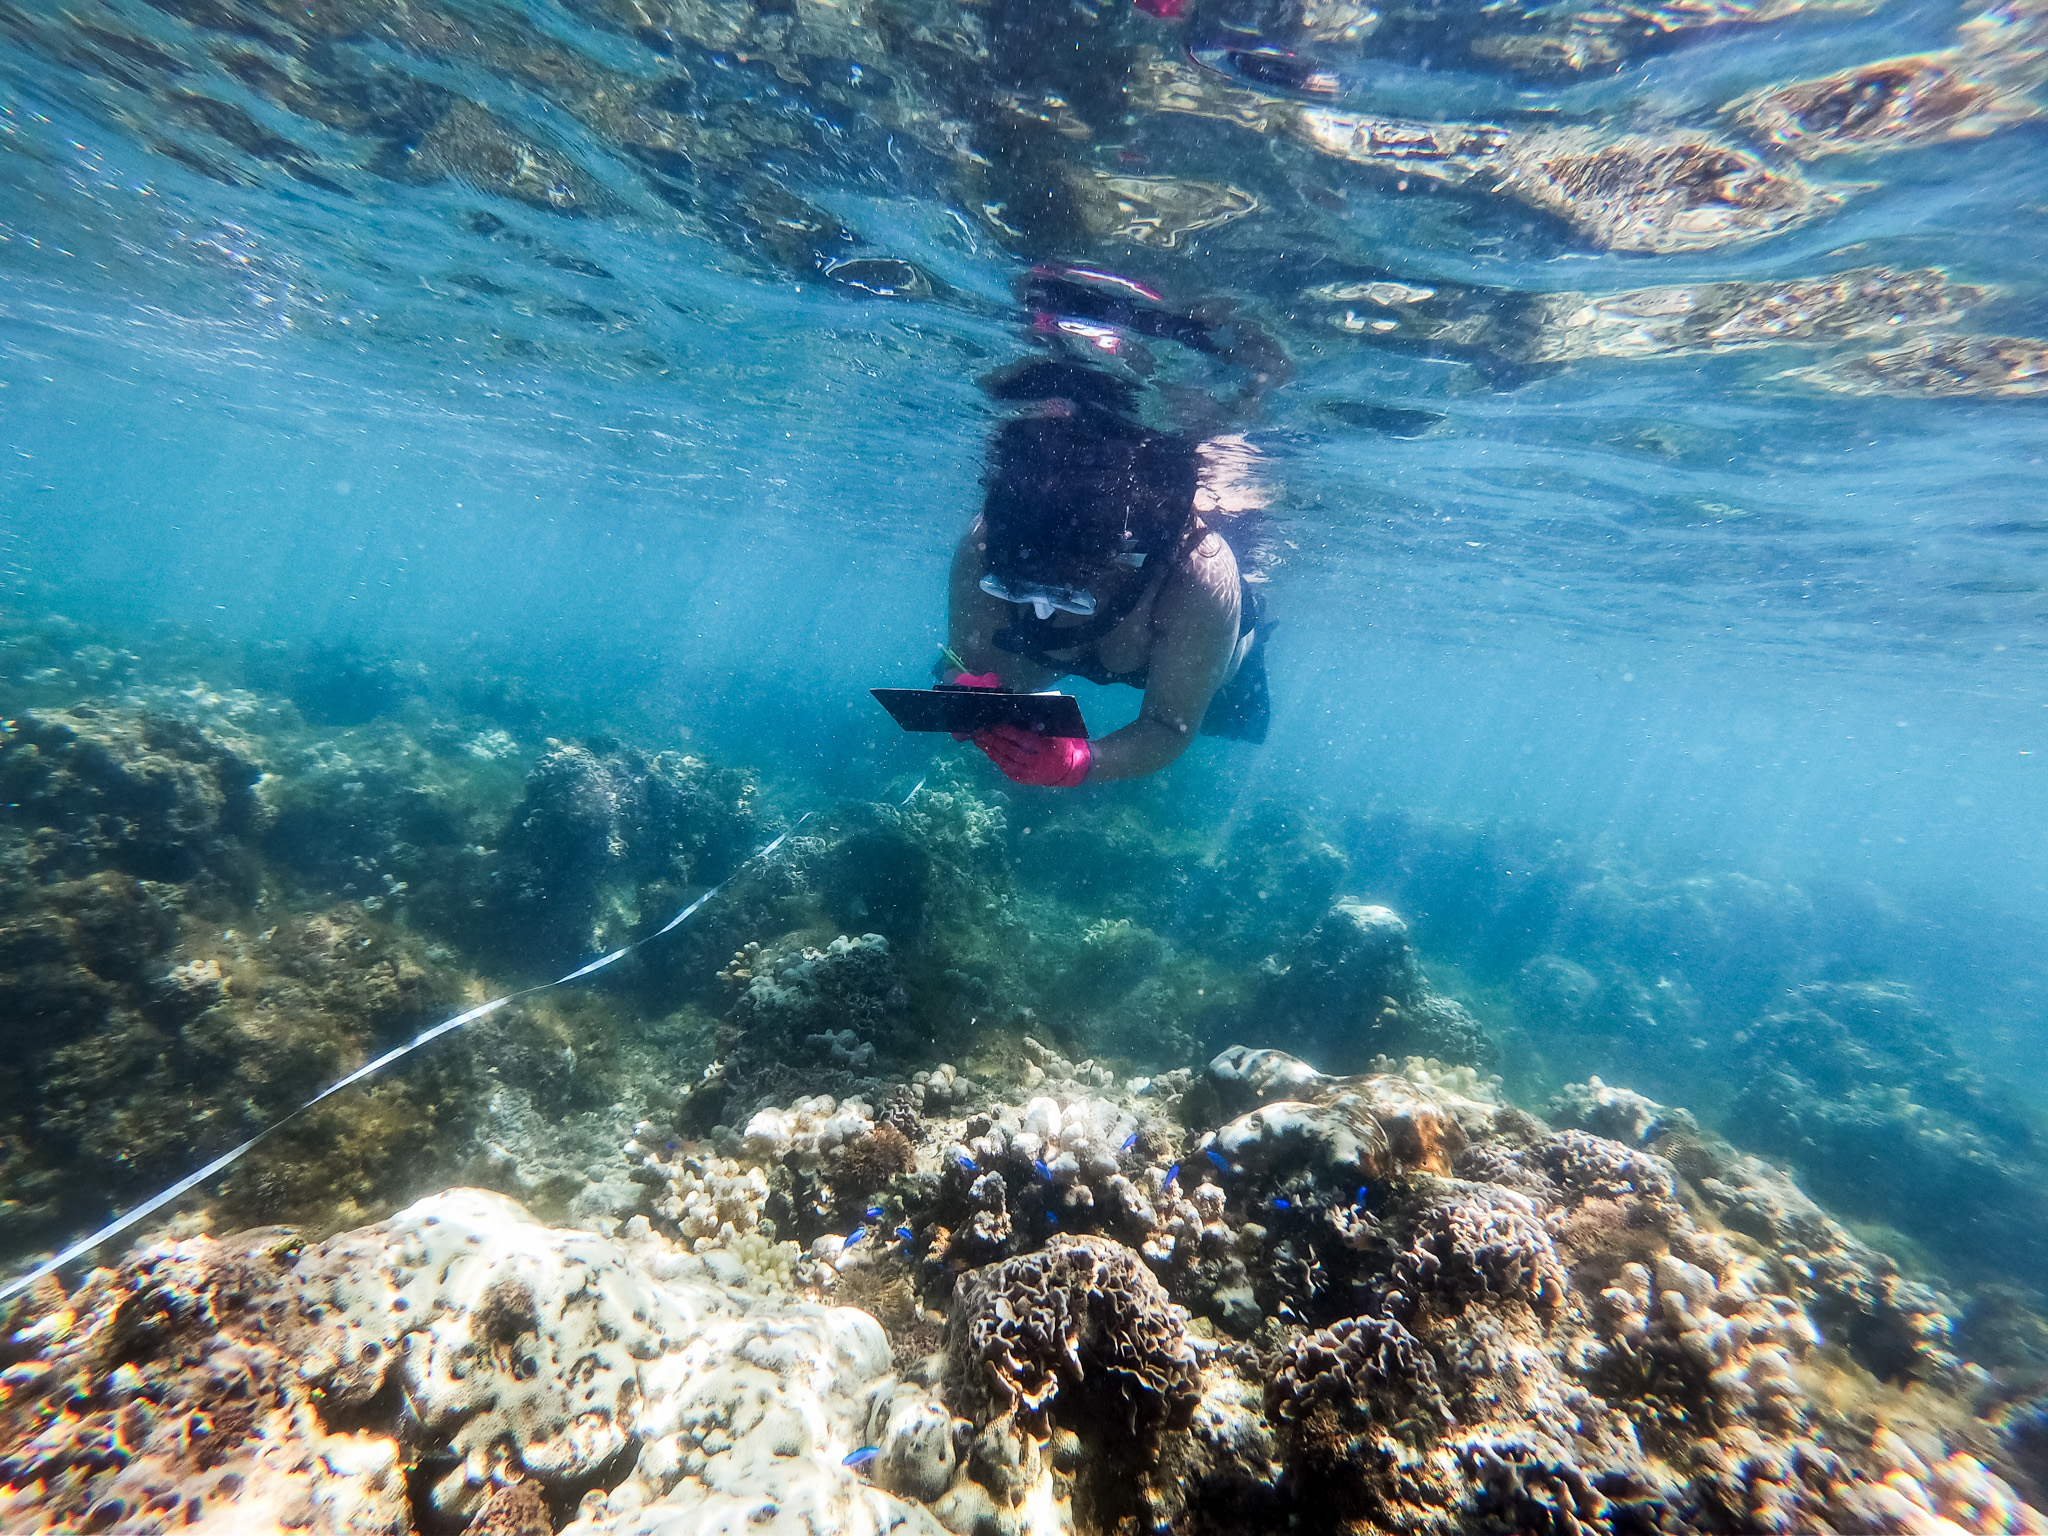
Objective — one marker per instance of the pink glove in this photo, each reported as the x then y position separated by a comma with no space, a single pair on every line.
1053,762
974,680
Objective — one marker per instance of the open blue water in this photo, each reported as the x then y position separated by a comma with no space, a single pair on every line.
522,339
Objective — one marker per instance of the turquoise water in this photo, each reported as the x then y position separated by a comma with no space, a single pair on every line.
1656,592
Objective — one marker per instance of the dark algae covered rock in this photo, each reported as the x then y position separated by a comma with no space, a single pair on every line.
608,837
145,793
1352,987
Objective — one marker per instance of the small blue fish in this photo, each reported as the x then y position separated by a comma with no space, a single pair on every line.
1280,1203
1363,1191
1172,1173
854,1236
905,1235
1218,1159
965,1161
1130,1141
861,1457
875,1213
1052,1219
1044,1168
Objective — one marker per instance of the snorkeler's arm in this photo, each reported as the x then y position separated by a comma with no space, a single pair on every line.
1194,624
973,617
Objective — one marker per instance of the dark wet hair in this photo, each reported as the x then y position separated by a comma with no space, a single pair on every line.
1075,489
1041,378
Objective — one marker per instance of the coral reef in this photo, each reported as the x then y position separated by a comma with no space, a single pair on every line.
1756,1003
828,1018
150,795
1468,1313
460,1346
1860,1087
215,908
1351,990
1027,1329
608,837
1461,1318
1067,1279
912,872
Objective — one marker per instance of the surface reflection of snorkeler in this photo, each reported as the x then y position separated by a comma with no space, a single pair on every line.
1093,558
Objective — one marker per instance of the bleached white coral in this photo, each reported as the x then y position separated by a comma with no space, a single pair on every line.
1743,1336
1075,1146
942,1087
1939,1495
809,1129
462,1334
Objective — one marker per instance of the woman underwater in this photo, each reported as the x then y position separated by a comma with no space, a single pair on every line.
1091,558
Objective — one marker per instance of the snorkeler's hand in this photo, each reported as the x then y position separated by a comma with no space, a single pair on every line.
1052,762
975,680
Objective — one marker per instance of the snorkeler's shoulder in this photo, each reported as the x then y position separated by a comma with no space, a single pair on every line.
1209,561
1203,582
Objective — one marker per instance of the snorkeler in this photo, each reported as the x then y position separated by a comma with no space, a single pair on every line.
1090,559
1099,552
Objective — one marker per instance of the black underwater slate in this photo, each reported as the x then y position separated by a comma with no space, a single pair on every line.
966,710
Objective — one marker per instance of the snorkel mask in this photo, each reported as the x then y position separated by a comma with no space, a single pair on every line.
1046,598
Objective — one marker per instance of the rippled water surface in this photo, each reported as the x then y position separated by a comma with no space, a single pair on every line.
1665,367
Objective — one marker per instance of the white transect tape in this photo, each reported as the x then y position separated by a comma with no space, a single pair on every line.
155,1203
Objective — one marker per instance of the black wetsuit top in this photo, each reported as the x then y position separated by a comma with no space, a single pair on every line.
1240,708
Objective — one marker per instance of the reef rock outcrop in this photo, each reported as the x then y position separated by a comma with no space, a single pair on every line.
91,788
1860,1087
828,1019
1352,989
607,837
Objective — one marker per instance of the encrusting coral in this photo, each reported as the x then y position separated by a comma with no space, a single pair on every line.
222,1385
